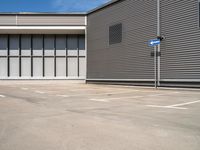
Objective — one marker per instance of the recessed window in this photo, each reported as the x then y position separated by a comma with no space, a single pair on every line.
115,34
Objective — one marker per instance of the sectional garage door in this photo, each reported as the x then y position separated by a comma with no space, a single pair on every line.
42,56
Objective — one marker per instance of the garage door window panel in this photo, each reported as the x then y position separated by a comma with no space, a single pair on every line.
3,45
82,45
25,45
72,44
61,45
14,45
49,45
37,45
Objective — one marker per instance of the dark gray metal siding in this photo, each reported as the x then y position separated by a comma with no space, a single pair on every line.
180,59
131,58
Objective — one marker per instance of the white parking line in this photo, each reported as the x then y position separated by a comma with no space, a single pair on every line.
63,95
183,104
2,96
175,106
40,92
128,97
115,98
100,100
24,88
168,107
109,93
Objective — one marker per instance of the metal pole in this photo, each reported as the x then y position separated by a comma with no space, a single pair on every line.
155,66
158,34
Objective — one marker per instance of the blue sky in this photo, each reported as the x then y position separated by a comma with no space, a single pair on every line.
49,5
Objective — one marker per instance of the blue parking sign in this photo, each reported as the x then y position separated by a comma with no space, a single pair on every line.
154,42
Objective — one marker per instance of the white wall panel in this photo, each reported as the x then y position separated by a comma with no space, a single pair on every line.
14,67
3,67
3,45
14,45
72,67
25,45
82,53
61,67
37,67
82,67
26,67
49,45
49,67
37,45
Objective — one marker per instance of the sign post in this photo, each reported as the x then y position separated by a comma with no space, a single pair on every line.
154,43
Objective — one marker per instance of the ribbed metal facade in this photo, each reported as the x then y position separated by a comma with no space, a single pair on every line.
180,59
130,59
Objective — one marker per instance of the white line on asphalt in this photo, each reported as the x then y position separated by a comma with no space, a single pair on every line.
115,98
40,92
168,107
157,95
24,88
99,100
2,96
109,93
175,106
183,104
107,99
63,95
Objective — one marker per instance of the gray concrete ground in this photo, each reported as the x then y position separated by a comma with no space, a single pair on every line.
64,115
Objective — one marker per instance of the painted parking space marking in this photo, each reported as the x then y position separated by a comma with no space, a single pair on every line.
100,100
63,95
39,92
184,104
2,96
168,107
175,106
128,97
23,88
109,93
115,98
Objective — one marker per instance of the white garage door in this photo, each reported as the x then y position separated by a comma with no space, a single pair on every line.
42,57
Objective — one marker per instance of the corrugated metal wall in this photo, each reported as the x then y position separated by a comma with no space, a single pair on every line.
180,51
129,60
41,20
